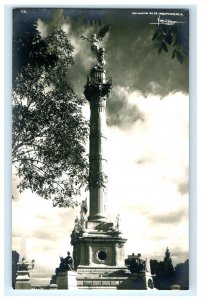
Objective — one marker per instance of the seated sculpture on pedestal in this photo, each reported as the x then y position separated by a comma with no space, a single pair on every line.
135,263
66,264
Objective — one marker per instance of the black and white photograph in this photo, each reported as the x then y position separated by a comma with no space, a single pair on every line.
100,149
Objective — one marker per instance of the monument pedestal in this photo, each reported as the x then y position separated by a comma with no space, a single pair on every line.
138,281
99,256
23,281
66,280
101,277
22,275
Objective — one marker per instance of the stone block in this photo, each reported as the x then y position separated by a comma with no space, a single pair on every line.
22,285
66,280
115,282
96,283
106,283
88,283
53,286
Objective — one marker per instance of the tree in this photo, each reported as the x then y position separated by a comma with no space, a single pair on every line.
174,38
49,130
164,272
168,268
15,260
182,275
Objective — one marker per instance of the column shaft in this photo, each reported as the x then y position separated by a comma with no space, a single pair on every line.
97,160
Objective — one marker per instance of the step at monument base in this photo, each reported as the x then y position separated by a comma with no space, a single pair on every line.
105,277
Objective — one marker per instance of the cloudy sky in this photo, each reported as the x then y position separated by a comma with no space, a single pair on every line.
148,139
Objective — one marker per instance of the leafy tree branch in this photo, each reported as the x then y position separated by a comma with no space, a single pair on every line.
49,130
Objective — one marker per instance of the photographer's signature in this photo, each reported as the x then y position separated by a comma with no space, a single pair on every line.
166,22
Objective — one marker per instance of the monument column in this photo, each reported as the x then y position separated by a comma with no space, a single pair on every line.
98,240
96,91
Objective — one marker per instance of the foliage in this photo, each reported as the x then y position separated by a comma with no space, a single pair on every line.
166,275
97,180
168,262
182,275
49,130
173,38
15,260
164,272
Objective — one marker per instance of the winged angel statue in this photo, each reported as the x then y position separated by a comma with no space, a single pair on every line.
95,41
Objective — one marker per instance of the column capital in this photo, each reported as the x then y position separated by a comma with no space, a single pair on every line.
98,87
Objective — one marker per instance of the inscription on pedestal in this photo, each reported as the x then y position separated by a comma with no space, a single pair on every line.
61,281
114,282
97,283
93,271
66,280
88,283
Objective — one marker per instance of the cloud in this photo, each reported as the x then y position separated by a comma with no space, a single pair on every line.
146,164
45,27
75,26
134,62
42,232
42,28
132,59
178,255
125,107
120,112
171,217
183,187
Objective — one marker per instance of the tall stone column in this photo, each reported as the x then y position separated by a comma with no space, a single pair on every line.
96,91
100,243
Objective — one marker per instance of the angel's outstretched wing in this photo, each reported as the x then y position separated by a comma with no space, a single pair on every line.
103,31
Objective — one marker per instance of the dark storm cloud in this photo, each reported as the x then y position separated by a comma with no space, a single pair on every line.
131,58
134,64
173,217
120,112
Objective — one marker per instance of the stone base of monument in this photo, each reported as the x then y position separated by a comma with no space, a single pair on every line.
138,281
120,278
105,277
53,286
66,280
22,281
98,252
